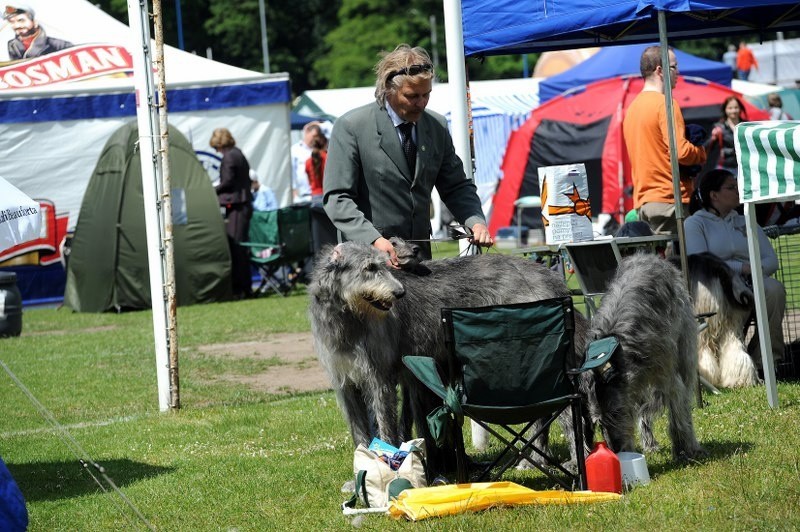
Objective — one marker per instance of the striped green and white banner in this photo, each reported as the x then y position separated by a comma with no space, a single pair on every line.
769,160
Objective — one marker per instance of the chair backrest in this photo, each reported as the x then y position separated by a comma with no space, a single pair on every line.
264,230
294,224
595,264
286,230
512,355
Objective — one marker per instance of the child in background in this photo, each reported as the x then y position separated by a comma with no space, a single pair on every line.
776,111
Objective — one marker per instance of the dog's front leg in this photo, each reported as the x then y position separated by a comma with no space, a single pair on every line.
681,425
384,404
355,410
647,414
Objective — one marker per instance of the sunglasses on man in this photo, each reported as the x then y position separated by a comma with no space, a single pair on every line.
411,70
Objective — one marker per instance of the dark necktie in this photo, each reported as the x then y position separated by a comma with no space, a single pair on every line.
409,149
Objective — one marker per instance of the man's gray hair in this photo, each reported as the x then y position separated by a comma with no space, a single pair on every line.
398,66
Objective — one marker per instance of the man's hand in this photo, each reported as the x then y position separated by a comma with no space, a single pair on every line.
481,236
384,245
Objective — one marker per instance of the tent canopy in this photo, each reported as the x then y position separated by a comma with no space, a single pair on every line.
622,60
513,27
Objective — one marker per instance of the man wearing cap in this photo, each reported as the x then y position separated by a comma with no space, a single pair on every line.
385,158
31,39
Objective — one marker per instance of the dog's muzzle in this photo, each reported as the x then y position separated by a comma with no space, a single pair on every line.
379,304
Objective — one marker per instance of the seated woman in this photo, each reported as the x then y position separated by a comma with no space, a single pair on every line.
719,229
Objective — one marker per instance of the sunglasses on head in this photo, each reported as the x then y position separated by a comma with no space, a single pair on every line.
411,70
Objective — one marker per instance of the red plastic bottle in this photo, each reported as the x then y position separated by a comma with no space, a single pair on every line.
602,469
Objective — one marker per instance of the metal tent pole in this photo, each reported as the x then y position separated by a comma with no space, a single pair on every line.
149,147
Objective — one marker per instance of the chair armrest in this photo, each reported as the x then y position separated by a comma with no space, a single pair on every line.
258,245
598,353
425,370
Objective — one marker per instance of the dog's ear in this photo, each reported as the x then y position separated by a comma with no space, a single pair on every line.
746,297
330,257
337,254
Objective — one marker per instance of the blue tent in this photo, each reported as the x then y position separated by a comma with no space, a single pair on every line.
622,60
514,27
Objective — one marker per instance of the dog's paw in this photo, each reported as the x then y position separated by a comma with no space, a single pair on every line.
524,465
692,455
349,486
651,447
571,466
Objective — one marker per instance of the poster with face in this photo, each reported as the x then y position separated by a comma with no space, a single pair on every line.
38,48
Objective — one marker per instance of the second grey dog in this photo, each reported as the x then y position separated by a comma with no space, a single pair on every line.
366,316
647,307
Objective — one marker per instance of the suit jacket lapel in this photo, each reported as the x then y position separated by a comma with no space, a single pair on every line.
390,142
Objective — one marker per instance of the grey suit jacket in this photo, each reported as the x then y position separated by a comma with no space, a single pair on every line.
368,187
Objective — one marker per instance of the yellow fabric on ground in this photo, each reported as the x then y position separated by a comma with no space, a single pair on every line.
420,503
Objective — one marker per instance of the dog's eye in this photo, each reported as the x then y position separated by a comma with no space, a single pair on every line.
372,268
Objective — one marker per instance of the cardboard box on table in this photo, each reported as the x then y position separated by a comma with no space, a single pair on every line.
566,213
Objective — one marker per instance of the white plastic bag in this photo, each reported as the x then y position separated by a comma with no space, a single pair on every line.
376,483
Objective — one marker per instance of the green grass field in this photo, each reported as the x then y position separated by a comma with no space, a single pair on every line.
236,458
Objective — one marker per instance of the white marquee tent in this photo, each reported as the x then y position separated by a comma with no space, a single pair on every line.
58,110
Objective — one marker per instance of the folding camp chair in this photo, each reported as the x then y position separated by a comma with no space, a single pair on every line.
595,264
279,242
508,369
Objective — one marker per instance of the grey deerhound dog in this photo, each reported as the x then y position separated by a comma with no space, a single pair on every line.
365,316
647,307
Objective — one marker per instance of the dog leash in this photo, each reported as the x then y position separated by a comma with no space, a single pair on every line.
455,233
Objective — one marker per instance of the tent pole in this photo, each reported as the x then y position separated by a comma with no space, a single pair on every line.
673,146
673,159
457,83
762,320
460,116
168,259
147,121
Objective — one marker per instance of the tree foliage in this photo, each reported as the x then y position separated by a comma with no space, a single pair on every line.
336,43
366,28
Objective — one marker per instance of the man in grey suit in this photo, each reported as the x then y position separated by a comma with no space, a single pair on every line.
385,158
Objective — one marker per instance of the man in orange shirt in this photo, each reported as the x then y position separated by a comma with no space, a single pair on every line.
647,141
745,61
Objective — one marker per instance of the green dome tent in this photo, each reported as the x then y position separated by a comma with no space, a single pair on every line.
107,267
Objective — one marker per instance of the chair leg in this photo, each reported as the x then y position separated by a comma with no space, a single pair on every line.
577,428
462,475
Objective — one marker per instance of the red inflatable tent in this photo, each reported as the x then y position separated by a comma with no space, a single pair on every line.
584,125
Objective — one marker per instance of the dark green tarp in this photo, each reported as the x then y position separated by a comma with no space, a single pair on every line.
107,265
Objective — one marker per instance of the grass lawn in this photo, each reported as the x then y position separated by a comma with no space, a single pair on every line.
236,458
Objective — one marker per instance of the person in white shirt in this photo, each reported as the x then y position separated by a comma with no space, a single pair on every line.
729,57
263,196
719,229
300,152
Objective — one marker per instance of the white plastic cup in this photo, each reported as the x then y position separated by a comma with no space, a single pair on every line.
633,467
